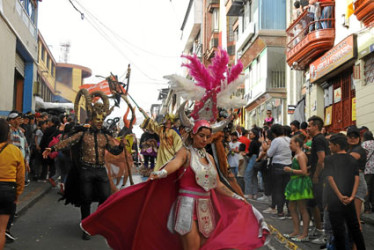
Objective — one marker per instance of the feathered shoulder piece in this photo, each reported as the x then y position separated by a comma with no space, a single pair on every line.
212,87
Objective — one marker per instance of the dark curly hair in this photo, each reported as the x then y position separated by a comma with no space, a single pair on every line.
4,130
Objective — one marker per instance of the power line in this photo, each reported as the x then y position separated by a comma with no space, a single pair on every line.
122,38
105,35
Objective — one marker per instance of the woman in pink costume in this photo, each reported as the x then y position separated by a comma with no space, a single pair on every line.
184,205
195,212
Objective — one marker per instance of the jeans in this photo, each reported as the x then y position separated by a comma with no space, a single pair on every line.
338,217
326,13
234,170
279,179
62,163
94,183
369,201
250,177
266,177
148,159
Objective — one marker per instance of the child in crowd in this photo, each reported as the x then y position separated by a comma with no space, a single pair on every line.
341,170
243,161
298,190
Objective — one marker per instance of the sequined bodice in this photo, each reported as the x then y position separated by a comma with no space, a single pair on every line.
205,174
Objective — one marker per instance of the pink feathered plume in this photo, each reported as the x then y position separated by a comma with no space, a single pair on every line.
234,72
218,67
199,72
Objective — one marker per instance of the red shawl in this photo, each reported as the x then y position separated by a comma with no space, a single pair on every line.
136,218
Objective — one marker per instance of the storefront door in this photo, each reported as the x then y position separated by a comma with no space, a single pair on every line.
342,103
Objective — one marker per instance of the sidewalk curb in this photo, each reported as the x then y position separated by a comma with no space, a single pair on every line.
368,218
34,196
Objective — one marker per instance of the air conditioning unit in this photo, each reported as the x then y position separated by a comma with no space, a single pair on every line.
245,36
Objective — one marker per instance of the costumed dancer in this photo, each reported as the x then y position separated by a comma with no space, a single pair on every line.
170,141
89,173
185,202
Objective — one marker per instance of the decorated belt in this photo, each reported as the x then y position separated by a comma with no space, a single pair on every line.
184,191
89,165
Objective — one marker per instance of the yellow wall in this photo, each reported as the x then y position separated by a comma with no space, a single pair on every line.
49,76
70,93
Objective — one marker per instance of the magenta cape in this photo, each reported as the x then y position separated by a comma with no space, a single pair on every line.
136,217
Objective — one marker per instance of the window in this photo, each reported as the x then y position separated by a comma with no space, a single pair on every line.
247,15
53,70
231,33
215,20
369,69
272,14
43,54
49,63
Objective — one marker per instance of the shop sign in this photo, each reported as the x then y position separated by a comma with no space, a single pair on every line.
328,116
337,95
291,109
365,42
331,60
354,109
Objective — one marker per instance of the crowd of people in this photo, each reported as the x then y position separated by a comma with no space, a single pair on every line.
305,173
318,17
300,170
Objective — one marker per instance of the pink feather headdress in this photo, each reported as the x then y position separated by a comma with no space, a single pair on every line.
214,79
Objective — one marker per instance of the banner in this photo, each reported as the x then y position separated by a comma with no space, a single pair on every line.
328,116
333,59
354,109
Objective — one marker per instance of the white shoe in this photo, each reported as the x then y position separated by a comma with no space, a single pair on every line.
270,210
264,199
320,241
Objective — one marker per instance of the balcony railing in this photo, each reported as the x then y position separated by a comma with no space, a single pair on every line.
364,11
277,80
309,37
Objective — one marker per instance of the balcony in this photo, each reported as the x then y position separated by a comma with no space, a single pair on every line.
245,36
364,11
212,4
234,7
309,38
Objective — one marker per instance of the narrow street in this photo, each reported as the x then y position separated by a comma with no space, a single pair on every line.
49,224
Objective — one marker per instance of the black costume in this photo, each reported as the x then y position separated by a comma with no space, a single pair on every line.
88,172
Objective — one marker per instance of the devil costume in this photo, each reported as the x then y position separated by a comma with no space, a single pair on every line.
92,172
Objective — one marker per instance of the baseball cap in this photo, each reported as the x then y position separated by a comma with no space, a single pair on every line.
13,114
353,130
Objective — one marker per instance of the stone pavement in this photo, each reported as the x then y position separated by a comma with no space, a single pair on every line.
35,190
31,194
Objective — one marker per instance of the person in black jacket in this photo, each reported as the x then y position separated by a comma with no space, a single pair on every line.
48,165
250,175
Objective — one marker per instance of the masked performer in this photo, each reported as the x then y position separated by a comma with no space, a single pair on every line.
182,206
91,172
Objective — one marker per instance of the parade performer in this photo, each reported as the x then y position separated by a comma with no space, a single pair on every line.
91,175
170,141
184,205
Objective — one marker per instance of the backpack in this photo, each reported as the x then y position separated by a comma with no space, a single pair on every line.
53,142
